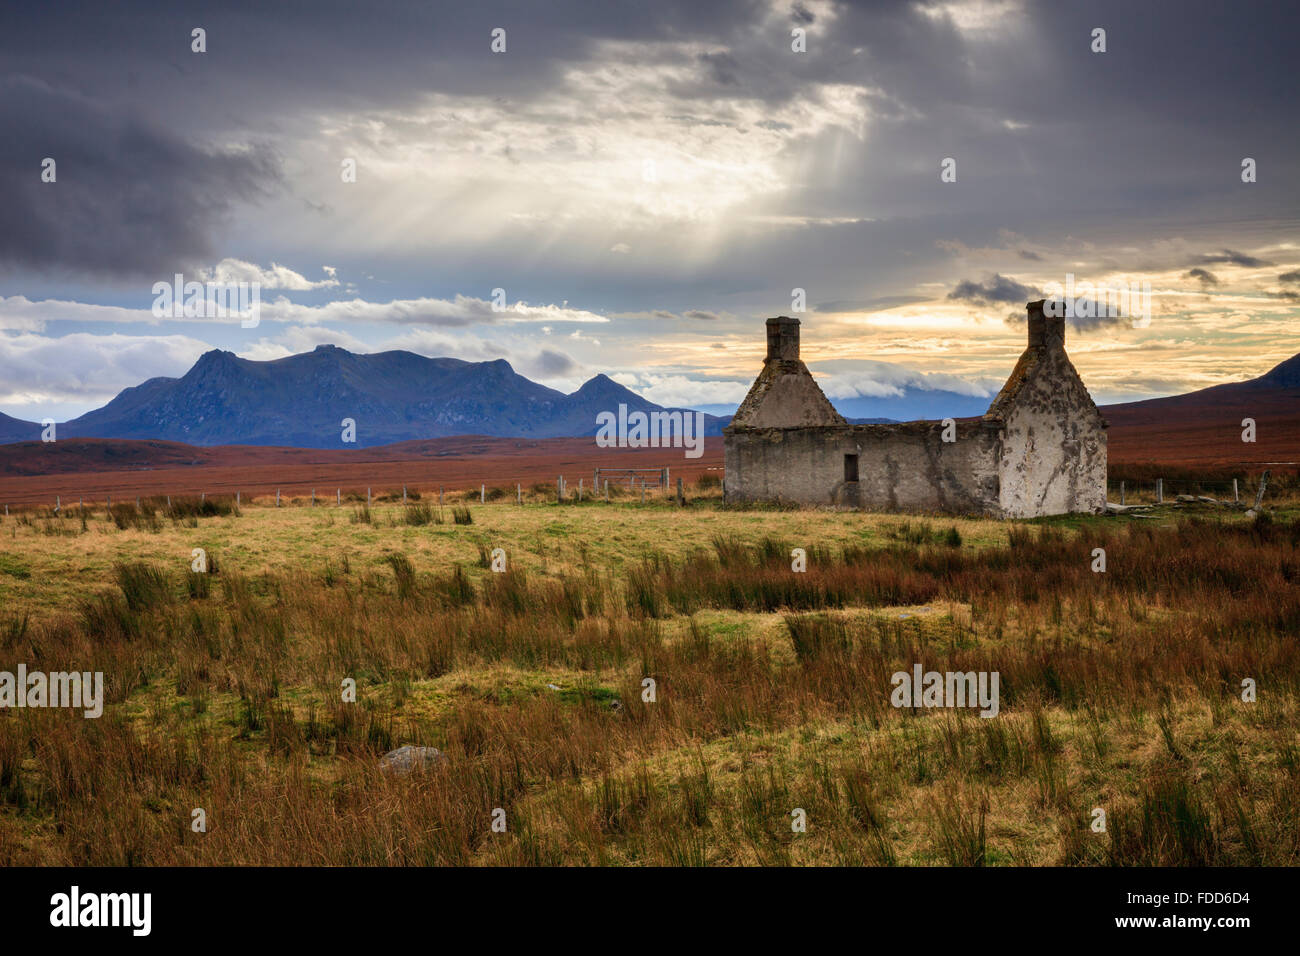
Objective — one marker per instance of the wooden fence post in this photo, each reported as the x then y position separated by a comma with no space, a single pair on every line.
403,494
367,496
580,481
642,491
482,494
440,496
559,488
1160,491
519,494
137,500
607,489
1236,498
681,494
277,497
1263,483
338,497
1121,492
313,497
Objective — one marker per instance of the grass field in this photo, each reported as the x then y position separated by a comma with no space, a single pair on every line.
1119,690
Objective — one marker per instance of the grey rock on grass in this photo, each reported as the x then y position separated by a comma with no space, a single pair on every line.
408,758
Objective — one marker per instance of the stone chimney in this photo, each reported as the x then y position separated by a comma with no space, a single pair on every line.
783,339
1046,331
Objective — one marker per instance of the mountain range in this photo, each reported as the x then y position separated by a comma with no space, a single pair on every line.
301,401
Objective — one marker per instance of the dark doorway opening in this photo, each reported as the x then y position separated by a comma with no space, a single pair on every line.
850,467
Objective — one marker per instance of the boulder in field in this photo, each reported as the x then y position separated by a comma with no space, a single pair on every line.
408,758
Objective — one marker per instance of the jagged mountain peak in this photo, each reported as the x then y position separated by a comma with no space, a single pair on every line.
301,400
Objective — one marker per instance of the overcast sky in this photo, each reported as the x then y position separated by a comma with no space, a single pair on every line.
647,182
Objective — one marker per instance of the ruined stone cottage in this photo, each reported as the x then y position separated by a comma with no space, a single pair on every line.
1040,449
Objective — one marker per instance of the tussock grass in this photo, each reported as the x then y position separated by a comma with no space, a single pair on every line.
1119,690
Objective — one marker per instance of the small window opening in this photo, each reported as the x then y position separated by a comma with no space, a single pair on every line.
850,467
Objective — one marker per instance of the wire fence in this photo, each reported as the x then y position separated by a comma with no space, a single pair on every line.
614,484
1180,488
645,484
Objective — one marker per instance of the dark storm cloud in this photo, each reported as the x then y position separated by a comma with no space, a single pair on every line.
1173,80
129,198
721,66
1206,277
1234,258
117,96
551,364
997,288
1289,277
1010,100
331,53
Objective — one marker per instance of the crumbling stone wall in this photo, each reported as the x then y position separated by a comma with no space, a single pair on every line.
900,467
1040,449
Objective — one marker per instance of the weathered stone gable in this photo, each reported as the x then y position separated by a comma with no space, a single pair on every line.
785,395
1053,455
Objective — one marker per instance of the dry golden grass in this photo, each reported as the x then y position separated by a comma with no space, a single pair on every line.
1119,691
56,560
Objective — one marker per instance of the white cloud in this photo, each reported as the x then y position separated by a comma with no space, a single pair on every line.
37,369
276,277
22,314
458,312
886,380
682,390
17,312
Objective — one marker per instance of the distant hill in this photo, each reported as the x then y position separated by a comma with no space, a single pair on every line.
15,429
1205,426
301,401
